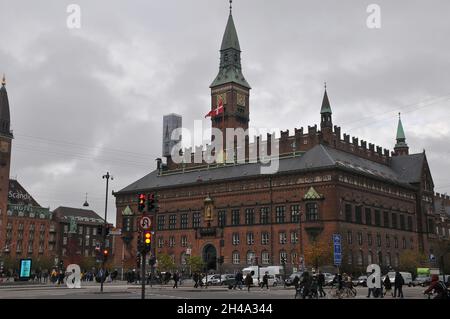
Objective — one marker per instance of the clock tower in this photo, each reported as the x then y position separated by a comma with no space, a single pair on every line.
5,159
230,88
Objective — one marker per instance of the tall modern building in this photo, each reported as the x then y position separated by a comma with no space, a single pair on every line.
171,122
380,202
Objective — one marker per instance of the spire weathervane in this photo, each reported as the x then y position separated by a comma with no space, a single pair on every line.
231,6
3,80
399,117
325,84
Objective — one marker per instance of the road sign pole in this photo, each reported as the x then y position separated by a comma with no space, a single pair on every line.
143,261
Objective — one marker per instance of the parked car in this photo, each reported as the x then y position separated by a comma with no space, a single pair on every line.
212,279
361,281
328,278
421,280
227,278
289,281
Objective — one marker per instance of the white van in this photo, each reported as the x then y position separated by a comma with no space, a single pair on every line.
407,277
271,270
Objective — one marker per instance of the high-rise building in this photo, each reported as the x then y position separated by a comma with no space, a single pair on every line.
171,122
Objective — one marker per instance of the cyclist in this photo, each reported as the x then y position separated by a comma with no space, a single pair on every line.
437,287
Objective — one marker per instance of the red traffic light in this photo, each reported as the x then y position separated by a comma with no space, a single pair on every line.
105,252
141,202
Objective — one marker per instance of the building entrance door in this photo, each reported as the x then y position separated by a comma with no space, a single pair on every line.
210,257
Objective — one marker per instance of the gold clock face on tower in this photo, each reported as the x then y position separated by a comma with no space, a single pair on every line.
4,147
241,99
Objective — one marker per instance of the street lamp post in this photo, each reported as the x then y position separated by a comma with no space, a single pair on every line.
102,279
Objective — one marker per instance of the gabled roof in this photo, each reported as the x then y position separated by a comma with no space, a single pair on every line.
17,194
312,194
319,157
408,167
67,212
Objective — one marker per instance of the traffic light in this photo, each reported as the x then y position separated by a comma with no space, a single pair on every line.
107,230
141,202
99,230
138,261
147,240
151,202
105,254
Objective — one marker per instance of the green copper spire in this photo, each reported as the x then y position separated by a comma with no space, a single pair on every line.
401,148
230,37
326,108
400,131
230,69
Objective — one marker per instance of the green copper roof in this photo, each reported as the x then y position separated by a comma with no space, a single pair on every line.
230,69
401,139
312,194
230,37
326,108
400,131
230,74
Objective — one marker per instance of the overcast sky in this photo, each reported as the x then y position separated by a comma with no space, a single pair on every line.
91,100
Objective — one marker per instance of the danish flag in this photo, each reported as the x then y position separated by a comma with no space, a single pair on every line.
216,111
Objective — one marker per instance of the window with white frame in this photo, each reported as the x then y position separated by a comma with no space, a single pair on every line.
282,237
250,239
264,238
294,237
236,258
235,239
265,258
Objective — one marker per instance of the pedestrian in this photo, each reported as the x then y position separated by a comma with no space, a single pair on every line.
195,278
265,280
238,278
398,285
176,277
249,280
387,286
305,283
320,284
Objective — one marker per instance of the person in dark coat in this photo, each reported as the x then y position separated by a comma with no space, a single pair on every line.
195,278
238,278
176,277
306,284
249,280
265,280
387,285
321,283
398,285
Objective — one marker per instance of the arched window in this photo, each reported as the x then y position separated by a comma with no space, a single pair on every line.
250,257
312,212
236,258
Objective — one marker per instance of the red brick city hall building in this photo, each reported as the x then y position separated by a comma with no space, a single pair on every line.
380,202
